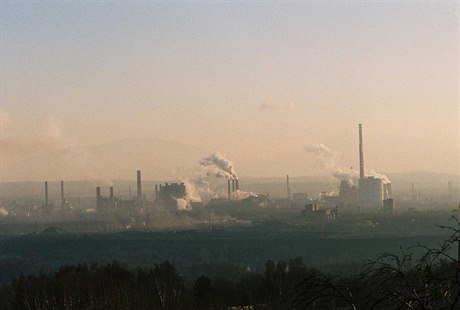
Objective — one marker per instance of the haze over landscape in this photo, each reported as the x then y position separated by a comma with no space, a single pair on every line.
198,155
95,90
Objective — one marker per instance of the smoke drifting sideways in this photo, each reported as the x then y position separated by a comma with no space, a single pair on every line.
218,165
198,189
241,195
327,158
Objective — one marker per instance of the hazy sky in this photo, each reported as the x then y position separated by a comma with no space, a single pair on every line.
257,81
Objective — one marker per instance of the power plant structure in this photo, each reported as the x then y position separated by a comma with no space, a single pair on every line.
169,193
372,194
232,186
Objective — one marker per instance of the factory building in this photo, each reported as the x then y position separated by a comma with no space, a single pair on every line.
170,192
313,212
348,196
371,193
388,208
104,204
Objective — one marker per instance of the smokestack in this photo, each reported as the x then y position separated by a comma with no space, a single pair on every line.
156,192
98,196
111,193
139,185
361,153
62,194
288,187
233,185
228,183
46,194
237,186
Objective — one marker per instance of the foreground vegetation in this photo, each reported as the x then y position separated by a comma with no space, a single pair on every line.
388,283
392,281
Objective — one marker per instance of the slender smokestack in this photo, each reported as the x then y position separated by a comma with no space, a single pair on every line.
98,196
46,194
361,153
139,185
237,185
62,194
233,185
111,193
288,187
229,194
156,192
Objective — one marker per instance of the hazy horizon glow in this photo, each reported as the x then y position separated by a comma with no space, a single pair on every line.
258,82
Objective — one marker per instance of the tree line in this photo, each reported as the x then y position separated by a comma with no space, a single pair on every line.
392,281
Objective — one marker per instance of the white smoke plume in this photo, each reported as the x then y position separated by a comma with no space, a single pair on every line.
384,178
240,195
324,155
328,160
349,175
198,189
182,204
333,192
218,165
3,212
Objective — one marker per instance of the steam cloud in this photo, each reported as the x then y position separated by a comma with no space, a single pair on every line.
182,204
240,195
323,154
198,189
384,178
3,212
218,165
328,159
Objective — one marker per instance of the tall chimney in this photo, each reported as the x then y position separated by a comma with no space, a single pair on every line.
139,185
288,187
233,185
156,192
237,185
361,153
62,194
229,194
46,194
98,196
111,193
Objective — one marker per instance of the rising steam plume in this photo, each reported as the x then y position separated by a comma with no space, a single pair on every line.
218,165
327,158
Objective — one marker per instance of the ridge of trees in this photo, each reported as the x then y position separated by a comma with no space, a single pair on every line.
391,281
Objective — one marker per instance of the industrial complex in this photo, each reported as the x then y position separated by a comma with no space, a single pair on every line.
143,204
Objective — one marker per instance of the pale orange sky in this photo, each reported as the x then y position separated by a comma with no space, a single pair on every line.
256,81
